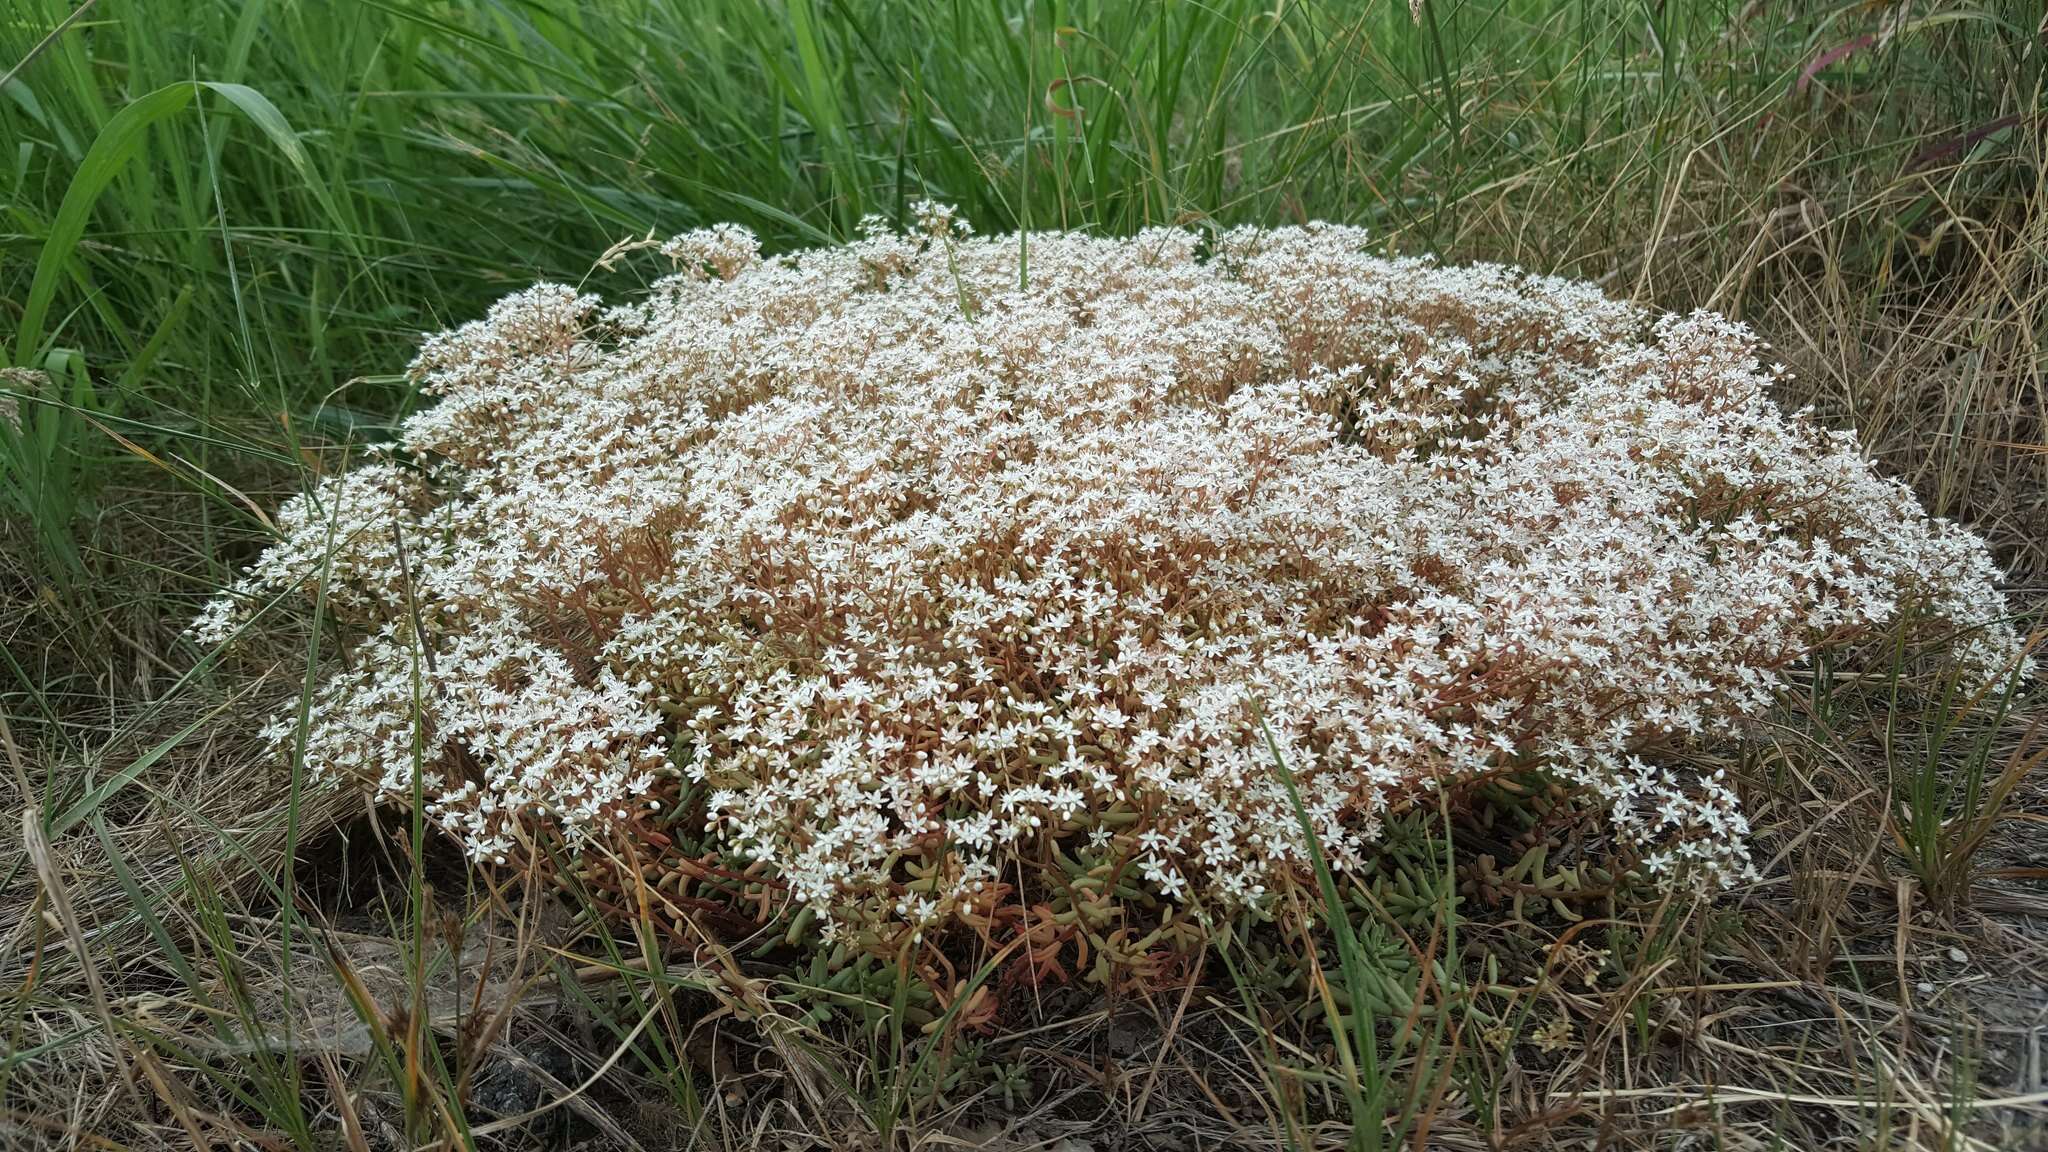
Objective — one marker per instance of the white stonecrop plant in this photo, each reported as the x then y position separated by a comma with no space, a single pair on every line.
915,561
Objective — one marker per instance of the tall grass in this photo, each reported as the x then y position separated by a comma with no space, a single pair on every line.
242,216
227,227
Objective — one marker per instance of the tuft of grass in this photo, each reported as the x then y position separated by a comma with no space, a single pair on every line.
1391,1087
1956,761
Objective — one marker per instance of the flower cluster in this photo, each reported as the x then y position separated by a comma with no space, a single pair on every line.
916,559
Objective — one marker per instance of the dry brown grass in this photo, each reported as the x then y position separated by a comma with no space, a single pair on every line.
1828,1005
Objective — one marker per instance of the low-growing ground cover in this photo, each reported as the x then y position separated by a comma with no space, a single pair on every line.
907,569
1463,923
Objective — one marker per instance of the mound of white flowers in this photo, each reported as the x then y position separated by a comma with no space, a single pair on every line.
911,561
